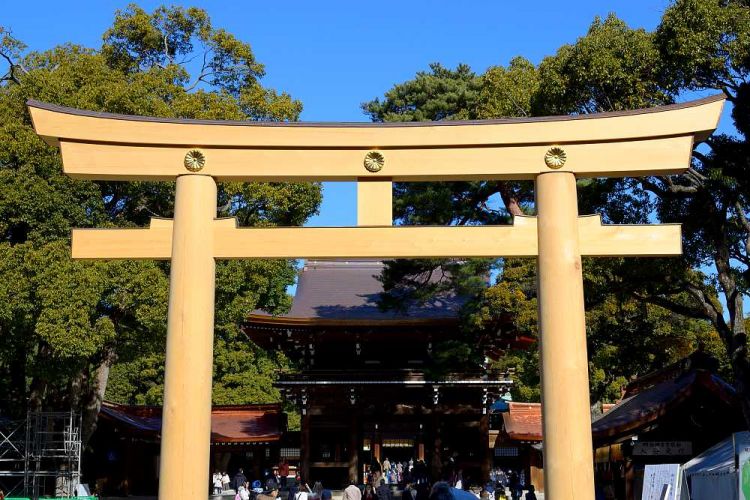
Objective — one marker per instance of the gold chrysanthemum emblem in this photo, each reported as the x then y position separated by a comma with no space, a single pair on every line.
555,157
374,161
195,160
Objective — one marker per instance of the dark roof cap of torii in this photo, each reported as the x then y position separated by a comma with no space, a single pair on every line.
445,123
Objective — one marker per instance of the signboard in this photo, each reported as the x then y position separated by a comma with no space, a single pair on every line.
508,451
742,449
663,448
661,482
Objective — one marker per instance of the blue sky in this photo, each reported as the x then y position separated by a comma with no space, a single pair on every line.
334,55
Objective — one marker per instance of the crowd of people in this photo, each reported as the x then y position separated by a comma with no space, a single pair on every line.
413,478
383,479
241,487
402,473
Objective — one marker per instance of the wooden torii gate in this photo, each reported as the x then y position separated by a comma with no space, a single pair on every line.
552,151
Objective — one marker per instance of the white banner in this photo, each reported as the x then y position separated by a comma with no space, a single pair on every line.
661,482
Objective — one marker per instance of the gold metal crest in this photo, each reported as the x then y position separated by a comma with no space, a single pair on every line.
195,160
374,161
555,157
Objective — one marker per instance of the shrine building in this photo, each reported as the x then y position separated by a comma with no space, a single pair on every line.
370,387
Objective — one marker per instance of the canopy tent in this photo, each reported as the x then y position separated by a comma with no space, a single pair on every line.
713,473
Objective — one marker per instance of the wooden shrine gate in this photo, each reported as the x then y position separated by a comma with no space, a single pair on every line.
552,151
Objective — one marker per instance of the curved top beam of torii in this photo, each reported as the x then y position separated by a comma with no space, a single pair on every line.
120,147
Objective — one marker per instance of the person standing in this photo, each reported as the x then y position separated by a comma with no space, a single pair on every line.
530,495
386,469
420,472
377,476
239,479
216,482
244,491
270,494
369,492
303,493
283,473
514,483
383,491
292,488
317,490
225,482
351,492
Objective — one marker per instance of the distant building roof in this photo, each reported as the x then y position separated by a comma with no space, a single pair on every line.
698,360
523,421
644,408
229,424
350,290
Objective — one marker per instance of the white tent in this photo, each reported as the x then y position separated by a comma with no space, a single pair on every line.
713,473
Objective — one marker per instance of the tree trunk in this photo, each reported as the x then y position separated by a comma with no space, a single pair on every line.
736,338
510,200
17,393
93,403
736,341
39,383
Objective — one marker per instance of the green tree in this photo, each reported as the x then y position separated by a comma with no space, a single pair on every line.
642,313
74,331
706,46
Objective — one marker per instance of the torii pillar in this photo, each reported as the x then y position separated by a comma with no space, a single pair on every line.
553,152
565,373
186,417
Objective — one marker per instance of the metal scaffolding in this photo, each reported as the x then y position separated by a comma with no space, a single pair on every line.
13,463
41,455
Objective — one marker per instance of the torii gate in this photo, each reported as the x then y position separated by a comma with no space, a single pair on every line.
552,151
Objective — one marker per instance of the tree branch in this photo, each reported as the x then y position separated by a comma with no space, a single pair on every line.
11,69
203,72
201,78
679,188
745,223
652,187
510,200
690,312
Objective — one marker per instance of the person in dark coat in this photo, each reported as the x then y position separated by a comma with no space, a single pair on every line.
383,491
530,495
239,480
514,483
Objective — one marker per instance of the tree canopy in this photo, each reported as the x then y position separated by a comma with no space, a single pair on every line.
74,331
641,313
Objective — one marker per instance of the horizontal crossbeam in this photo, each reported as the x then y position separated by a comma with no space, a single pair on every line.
518,240
641,157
